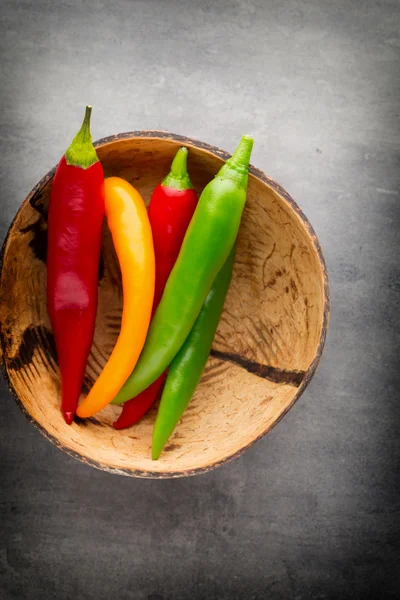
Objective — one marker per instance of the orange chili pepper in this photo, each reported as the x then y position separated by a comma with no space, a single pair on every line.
131,232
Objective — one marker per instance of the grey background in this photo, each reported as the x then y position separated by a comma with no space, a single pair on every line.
312,511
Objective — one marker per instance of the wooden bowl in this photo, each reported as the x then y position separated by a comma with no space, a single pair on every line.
266,350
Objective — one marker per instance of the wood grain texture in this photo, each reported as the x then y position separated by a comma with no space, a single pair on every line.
266,349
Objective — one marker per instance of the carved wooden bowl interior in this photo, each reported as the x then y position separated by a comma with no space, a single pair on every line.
265,352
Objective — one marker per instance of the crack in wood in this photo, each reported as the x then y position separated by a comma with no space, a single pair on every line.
274,374
41,339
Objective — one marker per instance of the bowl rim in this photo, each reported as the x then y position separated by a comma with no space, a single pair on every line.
259,174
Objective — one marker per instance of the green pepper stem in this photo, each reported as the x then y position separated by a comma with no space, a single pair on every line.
81,152
178,177
236,167
240,159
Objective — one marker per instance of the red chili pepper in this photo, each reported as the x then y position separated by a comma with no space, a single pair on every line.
75,220
171,208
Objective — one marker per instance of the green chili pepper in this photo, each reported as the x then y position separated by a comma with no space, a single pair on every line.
206,246
188,365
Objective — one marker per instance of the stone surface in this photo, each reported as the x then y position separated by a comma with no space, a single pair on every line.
312,511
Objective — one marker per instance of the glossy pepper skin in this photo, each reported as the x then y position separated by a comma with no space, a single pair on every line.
131,233
188,365
76,213
170,210
207,244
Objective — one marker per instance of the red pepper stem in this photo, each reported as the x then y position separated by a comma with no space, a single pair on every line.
81,152
178,177
85,128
